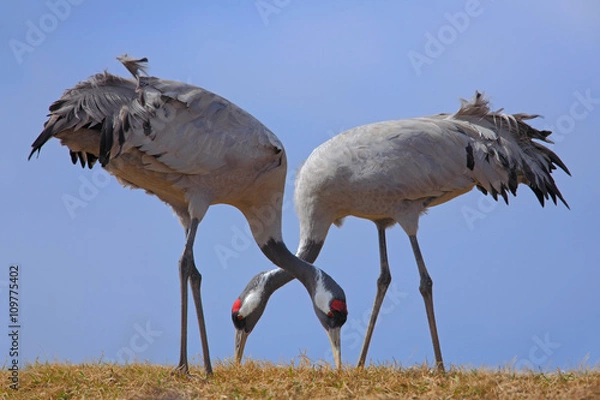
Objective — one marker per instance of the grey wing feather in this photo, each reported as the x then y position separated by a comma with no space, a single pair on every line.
186,128
440,157
86,106
192,130
506,152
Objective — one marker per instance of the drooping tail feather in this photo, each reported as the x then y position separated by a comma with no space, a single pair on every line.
83,118
511,142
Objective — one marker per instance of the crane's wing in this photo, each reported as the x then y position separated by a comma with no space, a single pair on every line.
408,159
179,127
85,111
503,151
492,150
189,129
439,157
417,158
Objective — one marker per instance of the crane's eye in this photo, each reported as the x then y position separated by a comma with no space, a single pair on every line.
240,317
330,314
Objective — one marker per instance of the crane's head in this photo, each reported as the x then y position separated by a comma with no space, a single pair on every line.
329,302
249,307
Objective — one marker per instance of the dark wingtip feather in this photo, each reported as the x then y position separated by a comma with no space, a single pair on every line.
56,105
563,201
106,141
533,165
556,160
513,181
81,159
553,196
494,193
33,151
41,140
503,193
91,160
36,146
470,157
538,194
545,133
556,194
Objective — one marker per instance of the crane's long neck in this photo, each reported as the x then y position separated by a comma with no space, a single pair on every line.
309,249
279,276
291,266
315,222
265,224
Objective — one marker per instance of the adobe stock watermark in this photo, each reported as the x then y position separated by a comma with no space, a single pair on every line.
538,354
139,342
242,238
240,241
355,329
485,205
267,9
37,30
436,43
163,114
88,190
583,105
580,109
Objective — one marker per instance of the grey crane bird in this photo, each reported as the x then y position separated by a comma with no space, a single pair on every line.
191,148
392,172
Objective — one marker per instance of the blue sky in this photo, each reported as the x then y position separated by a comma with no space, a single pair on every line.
515,283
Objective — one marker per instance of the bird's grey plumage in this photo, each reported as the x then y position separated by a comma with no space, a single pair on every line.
191,148
393,171
131,116
135,66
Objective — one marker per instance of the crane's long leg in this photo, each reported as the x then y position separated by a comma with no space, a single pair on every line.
383,282
425,288
189,272
195,281
184,264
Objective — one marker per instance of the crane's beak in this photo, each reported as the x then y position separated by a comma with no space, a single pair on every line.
240,342
336,345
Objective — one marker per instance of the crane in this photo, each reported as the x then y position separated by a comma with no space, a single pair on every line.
190,148
392,172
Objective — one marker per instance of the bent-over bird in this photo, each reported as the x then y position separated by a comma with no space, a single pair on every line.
191,148
392,172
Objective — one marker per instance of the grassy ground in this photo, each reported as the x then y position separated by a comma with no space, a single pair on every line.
301,381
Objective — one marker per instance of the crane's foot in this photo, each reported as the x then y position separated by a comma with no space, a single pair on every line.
181,369
440,368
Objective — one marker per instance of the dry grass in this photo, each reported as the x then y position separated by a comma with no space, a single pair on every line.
266,380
